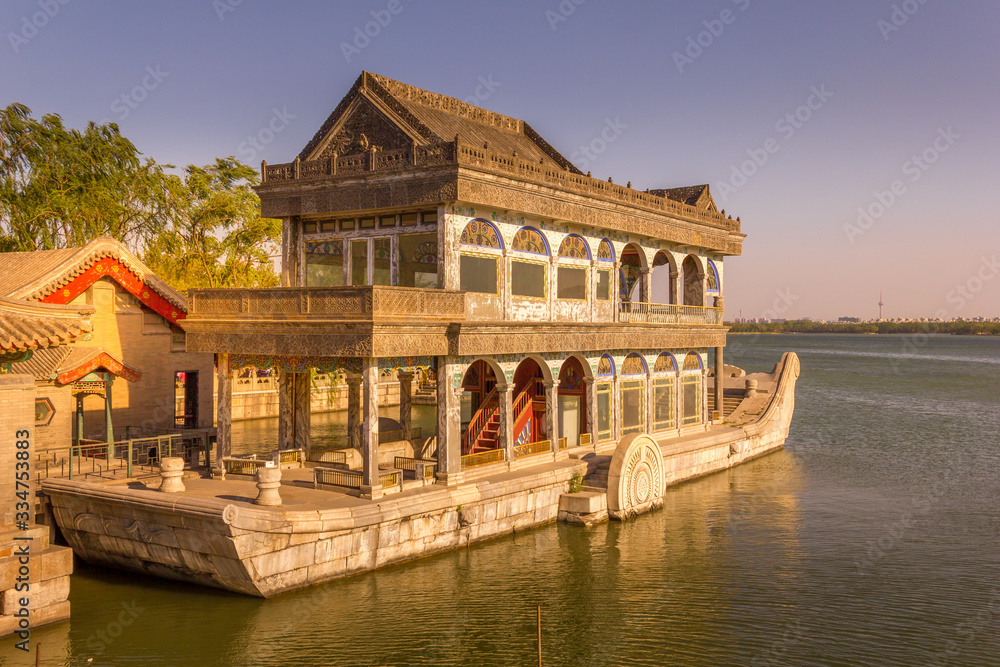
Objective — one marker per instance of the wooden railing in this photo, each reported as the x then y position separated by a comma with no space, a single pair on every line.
484,414
353,479
483,458
417,466
234,465
532,448
637,312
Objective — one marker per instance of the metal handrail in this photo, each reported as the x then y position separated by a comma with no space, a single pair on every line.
532,448
483,458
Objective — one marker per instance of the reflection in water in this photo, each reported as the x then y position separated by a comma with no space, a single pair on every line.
758,563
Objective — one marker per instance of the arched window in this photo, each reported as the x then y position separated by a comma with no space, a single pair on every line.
665,364
574,247
531,240
694,287
631,273
713,277
605,252
483,234
634,365
605,366
692,362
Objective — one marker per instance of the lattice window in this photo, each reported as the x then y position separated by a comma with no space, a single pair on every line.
529,240
691,395
664,364
605,366
574,247
692,362
633,399
605,252
481,233
633,365
334,247
664,404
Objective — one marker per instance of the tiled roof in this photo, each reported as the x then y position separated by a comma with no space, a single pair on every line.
687,195
35,274
436,118
50,363
25,325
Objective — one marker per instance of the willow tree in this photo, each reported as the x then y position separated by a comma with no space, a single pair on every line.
61,187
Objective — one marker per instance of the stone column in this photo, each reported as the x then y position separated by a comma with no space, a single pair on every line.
302,409
505,394
286,402
552,413
224,409
646,290
719,384
674,292
406,403
449,432
370,488
354,411
17,421
590,385
616,290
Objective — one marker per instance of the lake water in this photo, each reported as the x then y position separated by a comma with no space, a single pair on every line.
872,539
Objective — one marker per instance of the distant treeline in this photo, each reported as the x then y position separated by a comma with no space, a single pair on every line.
801,326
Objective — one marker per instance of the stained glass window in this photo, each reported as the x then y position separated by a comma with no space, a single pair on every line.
325,263
574,247
664,408
417,260
633,397
664,364
481,233
605,366
692,362
604,427
529,240
713,277
570,378
691,395
605,252
633,365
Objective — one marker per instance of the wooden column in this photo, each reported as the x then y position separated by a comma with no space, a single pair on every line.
370,488
449,427
406,404
286,415
302,409
552,413
224,409
354,411
109,427
505,393
719,384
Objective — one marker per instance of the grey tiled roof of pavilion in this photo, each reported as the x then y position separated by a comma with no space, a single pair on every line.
50,363
34,326
35,274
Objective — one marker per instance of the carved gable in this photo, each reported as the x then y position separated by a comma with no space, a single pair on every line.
365,127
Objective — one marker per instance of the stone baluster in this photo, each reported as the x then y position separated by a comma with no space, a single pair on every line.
268,482
171,471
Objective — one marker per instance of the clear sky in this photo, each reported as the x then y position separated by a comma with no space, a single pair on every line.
694,90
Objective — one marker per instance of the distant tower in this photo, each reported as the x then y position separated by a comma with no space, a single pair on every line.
881,305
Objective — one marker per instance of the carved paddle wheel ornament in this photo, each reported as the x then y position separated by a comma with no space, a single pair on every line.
635,479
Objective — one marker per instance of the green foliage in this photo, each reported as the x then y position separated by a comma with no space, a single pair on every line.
216,237
61,188
576,483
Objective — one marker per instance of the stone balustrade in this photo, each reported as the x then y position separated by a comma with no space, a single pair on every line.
327,303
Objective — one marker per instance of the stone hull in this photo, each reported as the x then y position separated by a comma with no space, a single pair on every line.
264,552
